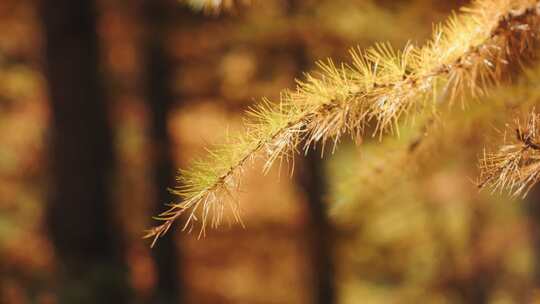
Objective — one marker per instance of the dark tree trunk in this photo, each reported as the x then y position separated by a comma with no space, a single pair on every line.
159,96
312,180
319,229
79,212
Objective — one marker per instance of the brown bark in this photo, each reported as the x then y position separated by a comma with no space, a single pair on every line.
80,212
312,181
319,229
159,96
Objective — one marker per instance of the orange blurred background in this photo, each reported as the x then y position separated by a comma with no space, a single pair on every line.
173,81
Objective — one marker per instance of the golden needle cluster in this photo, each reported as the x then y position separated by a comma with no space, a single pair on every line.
467,55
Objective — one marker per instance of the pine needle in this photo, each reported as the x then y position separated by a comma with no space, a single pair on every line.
515,166
468,54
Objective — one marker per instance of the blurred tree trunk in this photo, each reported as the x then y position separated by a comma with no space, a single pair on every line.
159,96
533,211
319,228
312,180
80,212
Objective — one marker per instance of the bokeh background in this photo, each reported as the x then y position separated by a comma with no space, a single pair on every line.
102,101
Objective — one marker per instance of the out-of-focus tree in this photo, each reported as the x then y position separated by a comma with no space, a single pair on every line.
80,214
313,182
157,76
